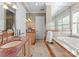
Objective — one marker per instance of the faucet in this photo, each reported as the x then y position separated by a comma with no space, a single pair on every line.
1,35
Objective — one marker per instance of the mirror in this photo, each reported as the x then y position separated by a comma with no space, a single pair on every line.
10,20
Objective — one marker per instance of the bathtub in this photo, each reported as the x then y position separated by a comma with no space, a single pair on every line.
70,43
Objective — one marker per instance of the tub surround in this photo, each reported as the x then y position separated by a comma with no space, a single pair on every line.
69,44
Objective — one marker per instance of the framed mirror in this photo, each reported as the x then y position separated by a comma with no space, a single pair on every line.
10,20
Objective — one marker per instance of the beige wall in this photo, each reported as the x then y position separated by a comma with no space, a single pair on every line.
20,19
32,17
2,19
48,17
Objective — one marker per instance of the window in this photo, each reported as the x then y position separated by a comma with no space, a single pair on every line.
59,24
66,20
75,23
63,24
51,25
66,23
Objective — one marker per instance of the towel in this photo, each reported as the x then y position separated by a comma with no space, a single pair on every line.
49,36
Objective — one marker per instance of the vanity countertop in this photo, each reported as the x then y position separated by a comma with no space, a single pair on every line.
14,50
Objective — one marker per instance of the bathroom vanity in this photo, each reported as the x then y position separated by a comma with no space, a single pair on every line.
15,47
31,36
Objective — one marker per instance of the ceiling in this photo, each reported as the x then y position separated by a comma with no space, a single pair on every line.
35,7
40,7
58,7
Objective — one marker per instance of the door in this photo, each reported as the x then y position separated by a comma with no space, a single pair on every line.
40,27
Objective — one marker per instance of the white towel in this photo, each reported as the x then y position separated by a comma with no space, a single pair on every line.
49,36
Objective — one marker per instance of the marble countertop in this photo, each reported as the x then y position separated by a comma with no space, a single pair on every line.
13,51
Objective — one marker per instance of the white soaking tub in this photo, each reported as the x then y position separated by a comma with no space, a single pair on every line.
70,43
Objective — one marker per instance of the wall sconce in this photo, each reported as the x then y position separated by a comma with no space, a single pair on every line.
8,2
14,6
29,20
26,20
5,6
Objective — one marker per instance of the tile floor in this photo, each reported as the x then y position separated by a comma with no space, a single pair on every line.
40,49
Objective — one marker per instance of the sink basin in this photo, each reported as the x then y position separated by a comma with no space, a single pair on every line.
11,44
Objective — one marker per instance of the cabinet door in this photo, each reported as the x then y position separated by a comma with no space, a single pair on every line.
21,52
33,38
28,49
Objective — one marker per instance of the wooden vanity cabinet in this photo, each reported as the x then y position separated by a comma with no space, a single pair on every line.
21,53
31,36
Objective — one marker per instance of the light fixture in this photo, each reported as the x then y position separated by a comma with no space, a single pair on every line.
36,4
26,20
8,2
29,20
14,6
5,6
